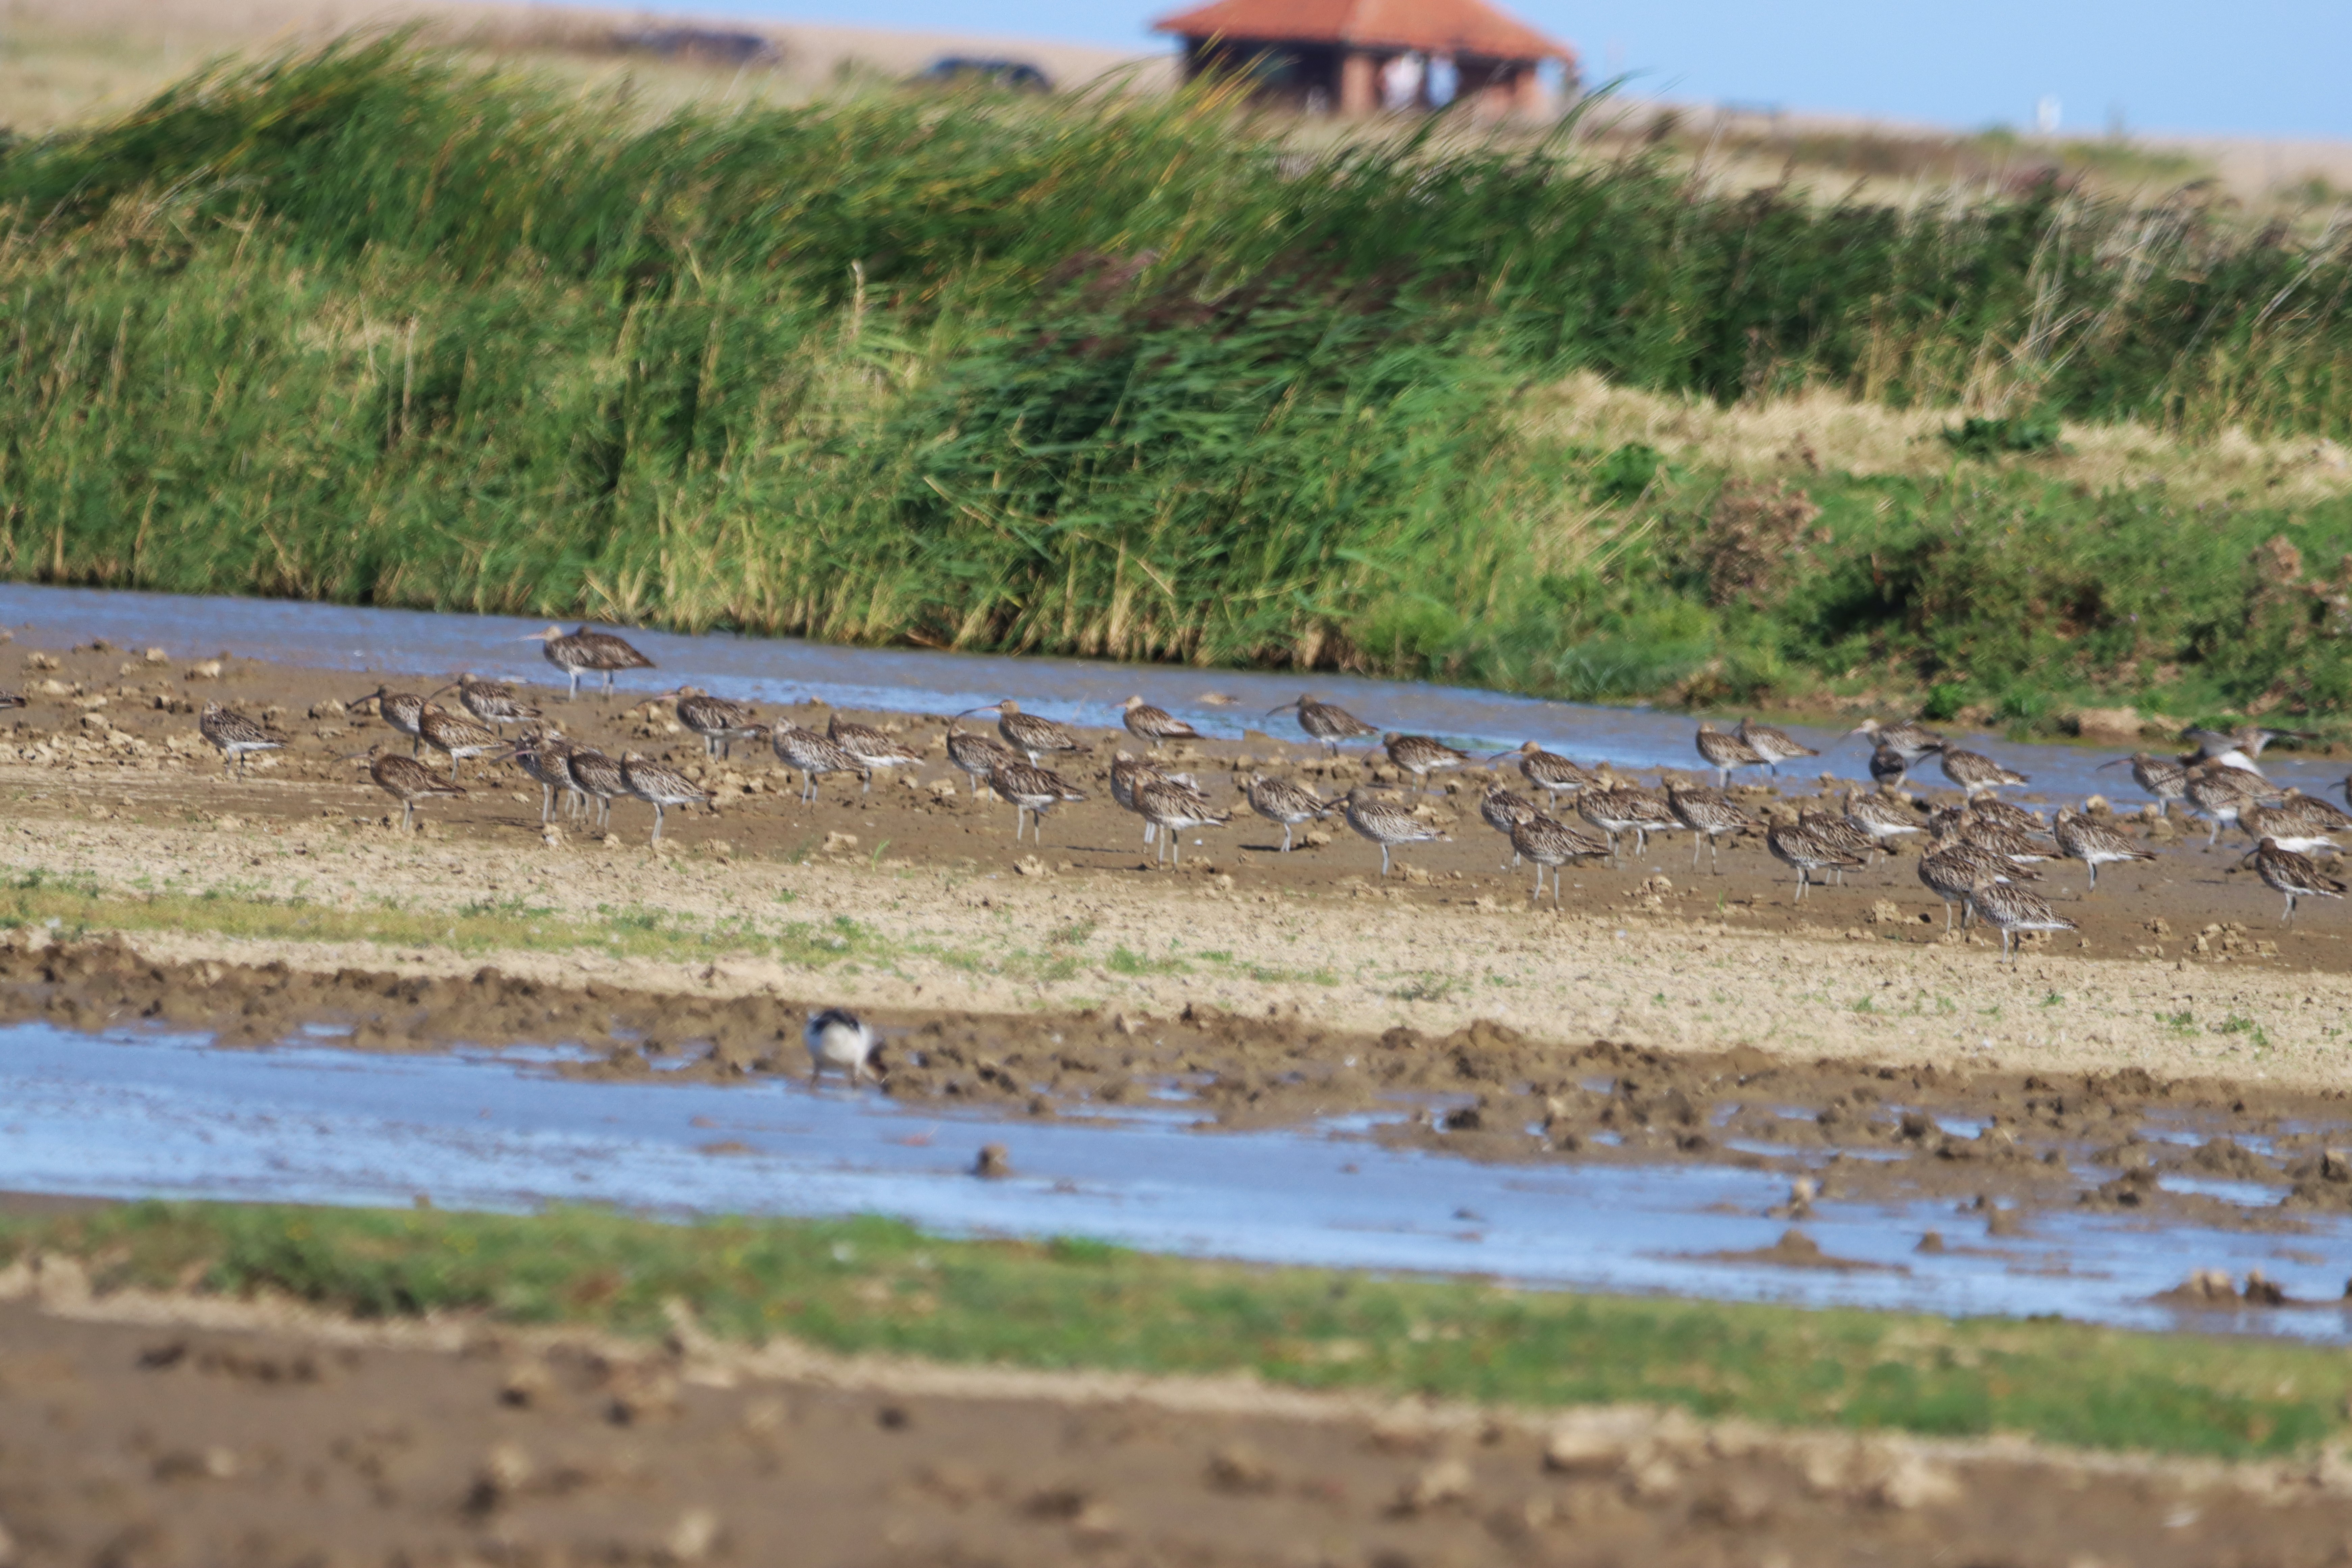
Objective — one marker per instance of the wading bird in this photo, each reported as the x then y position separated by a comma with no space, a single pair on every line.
583,652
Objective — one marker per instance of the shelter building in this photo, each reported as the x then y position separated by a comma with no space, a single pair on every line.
1356,57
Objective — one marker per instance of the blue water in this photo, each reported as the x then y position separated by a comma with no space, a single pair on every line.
135,1114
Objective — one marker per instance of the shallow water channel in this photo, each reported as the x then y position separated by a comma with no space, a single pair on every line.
130,1114
338,636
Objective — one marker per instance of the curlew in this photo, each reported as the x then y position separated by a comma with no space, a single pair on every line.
1034,791
2234,748
1422,756
1326,723
9,698
1709,814
1774,746
1794,847
1950,867
2163,780
1153,725
1387,823
584,652
1880,817
2012,911
875,750
977,756
717,721
492,701
1173,809
1993,838
546,758
1553,774
1032,736
1130,773
1723,753
2218,793
237,736
2302,823
2005,813
405,779
401,709
455,736
660,787
1280,800
1907,740
839,1039
1837,833
1503,810
2095,845
1625,809
1549,842
2284,872
597,776
1976,773
811,754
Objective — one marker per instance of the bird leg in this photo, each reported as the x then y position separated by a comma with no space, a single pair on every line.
1384,860
1285,838
658,822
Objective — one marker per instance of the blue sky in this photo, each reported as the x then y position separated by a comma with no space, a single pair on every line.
2262,66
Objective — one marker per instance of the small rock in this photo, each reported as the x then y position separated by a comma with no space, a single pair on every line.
1915,1483
1238,1468
993,1163
692,1537
1314,838
1029,865
2262,1290
1448,1480
835,842
208,670
1573,1451
156,656
1884,913
612,841
40,661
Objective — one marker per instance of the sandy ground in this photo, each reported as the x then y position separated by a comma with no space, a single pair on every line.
2180,968
147,1429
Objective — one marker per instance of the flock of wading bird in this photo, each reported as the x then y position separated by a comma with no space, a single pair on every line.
1978,853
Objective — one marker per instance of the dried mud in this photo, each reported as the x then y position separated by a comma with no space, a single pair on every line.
206,1432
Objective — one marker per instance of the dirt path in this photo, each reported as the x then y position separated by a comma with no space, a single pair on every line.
158,1429
918,898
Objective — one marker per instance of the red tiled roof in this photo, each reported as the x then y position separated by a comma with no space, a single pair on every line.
1427,26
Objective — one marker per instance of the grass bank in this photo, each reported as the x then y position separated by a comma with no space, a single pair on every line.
873,1285
1136,378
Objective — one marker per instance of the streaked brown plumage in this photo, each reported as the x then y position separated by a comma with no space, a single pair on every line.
1840,835
1034,790
581,652
1623,808
1976,774
1421,756
2302,823
1033,737
1173,810
237,736
1387,824
719,722
1774,746
2095,845
1723,753
455,736
977,756
401,709
1326,723
1552,774
874,749
2012,910
1907,740
405,779
1290,804
1883,819
1153,725
2164,779
660,787
2284,872
812,754
1549,842
598,777
492,701
1710,815
548,759
1951,867
2005,813
1796,849
2218,793
2015,847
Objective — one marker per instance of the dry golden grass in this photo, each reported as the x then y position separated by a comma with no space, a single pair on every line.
1820,430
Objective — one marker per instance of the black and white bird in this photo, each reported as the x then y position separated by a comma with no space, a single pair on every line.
840,1040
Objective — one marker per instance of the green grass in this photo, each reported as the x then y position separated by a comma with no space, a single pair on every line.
1132,377
872,1285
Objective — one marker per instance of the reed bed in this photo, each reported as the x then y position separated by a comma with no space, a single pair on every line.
1125,376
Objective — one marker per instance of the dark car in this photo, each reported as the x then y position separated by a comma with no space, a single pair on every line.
956,70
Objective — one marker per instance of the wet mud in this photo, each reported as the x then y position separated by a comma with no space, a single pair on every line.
2004,1144
150,1444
